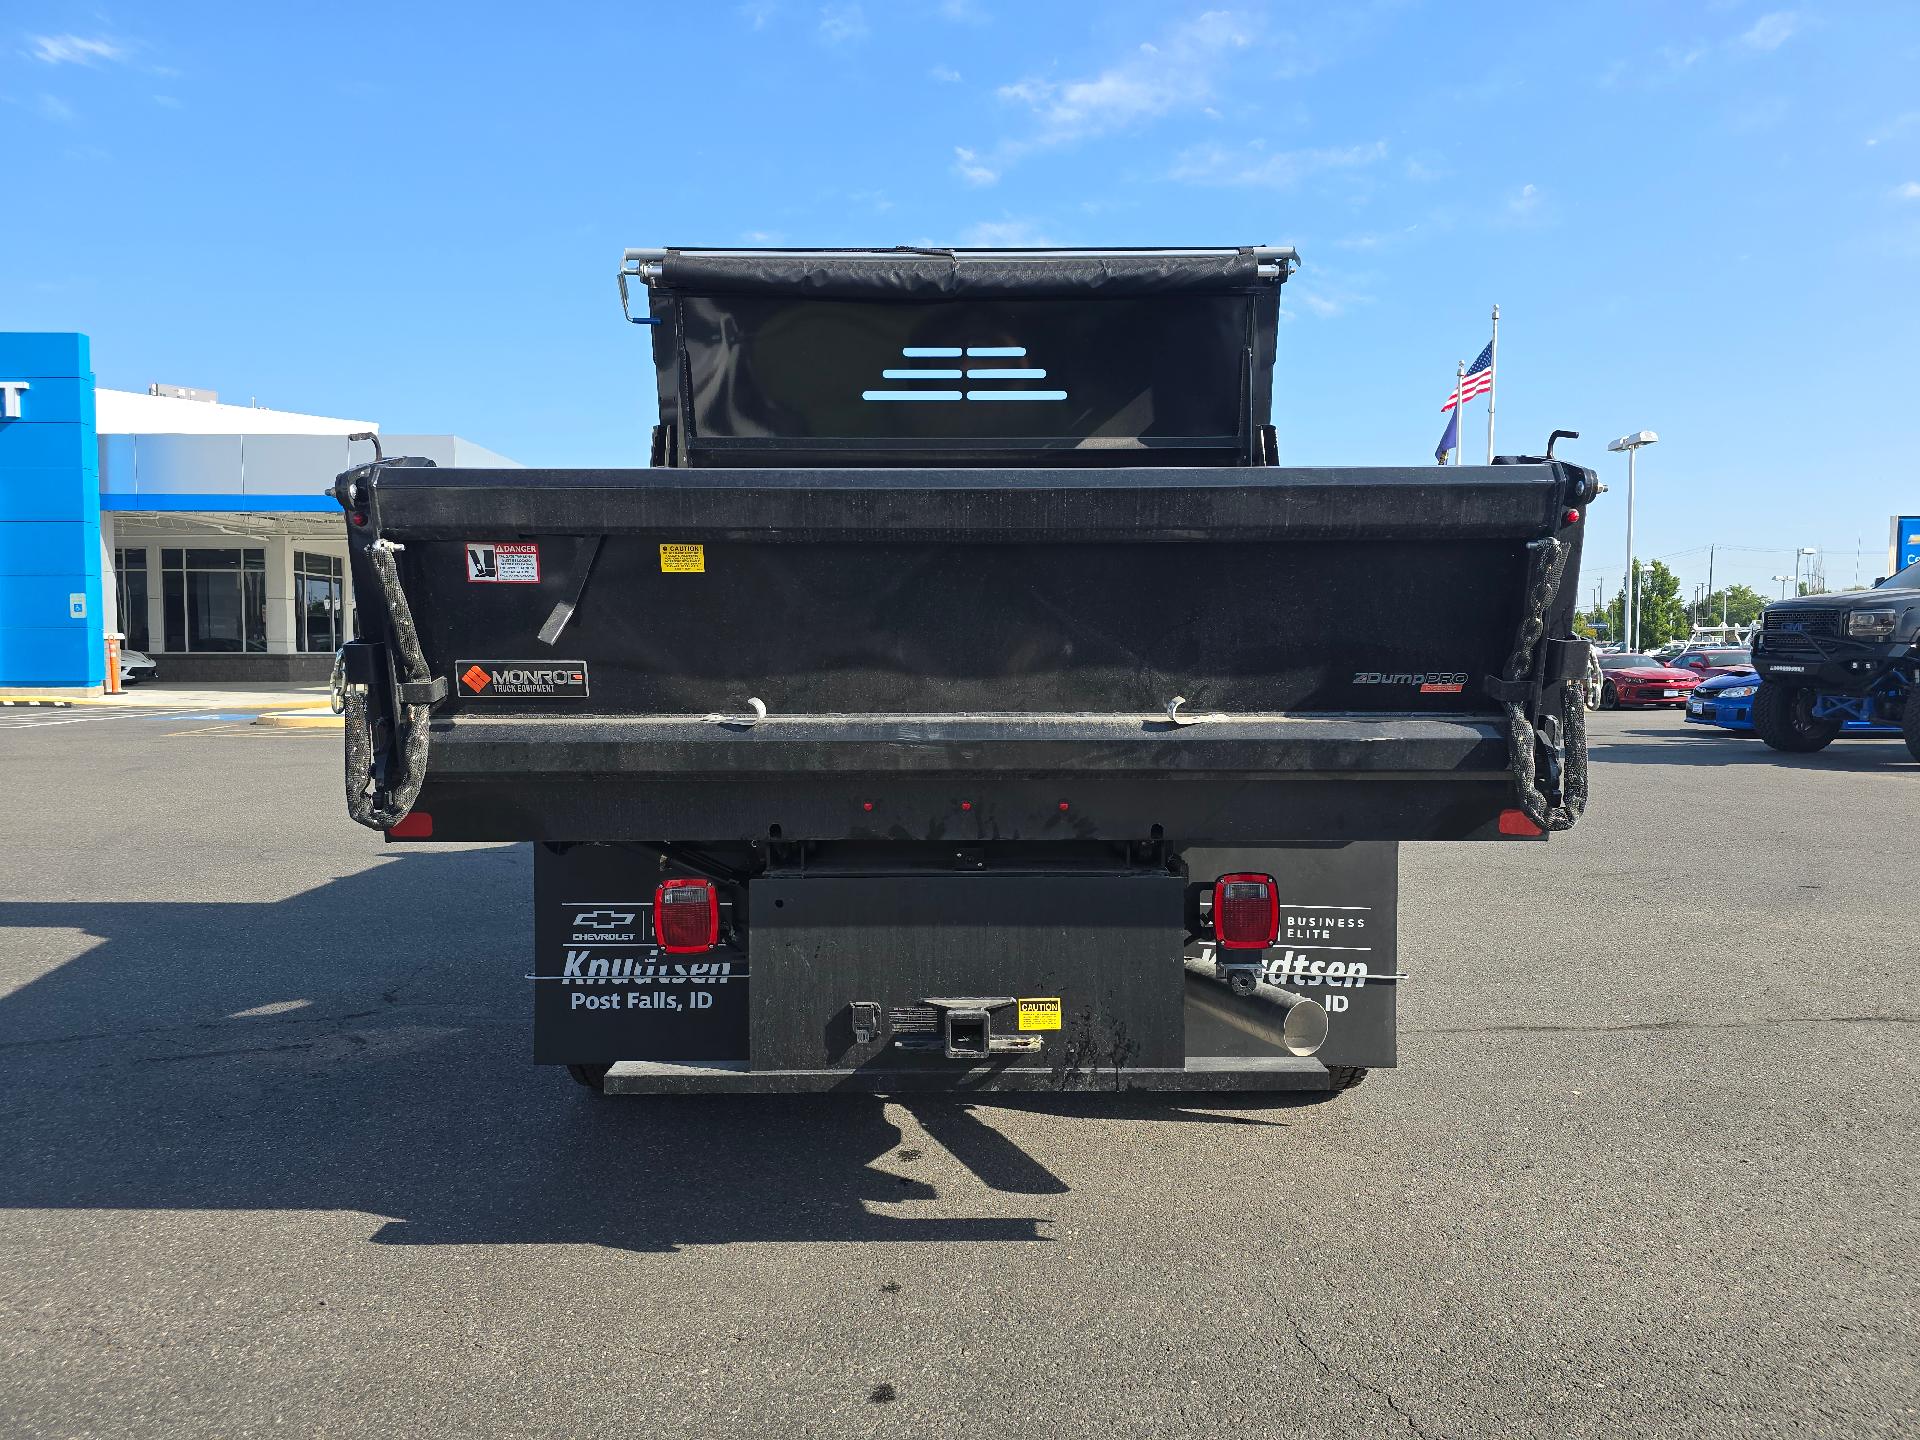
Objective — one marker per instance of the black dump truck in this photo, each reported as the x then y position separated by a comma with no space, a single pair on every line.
1828,659
964,697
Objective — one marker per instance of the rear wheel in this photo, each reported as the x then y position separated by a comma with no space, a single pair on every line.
1910,724
1344,1077
1783,716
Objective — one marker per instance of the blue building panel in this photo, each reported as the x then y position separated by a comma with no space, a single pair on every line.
40,494
51,630
57,547
45,355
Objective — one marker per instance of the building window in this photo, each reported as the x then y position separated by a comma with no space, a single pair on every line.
214,599
318,601
130,588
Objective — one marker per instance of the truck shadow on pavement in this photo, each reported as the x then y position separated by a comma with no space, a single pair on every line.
362,1046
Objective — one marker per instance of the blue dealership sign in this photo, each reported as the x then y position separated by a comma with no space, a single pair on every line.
1906,540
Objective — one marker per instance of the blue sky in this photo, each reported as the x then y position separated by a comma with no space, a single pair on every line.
1703,220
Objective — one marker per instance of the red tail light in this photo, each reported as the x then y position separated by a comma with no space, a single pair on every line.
1246,911
1518,822
686,916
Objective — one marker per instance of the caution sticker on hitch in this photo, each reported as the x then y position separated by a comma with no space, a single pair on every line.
1040,1014
521,679
683,559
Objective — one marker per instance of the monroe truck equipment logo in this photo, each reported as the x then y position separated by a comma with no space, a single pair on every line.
522,679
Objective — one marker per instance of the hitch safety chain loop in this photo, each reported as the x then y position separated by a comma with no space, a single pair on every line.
1562,737
377,807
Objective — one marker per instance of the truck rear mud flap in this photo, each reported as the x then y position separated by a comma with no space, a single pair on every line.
1078,979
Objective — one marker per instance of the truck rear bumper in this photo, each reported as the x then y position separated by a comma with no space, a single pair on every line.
1200,1073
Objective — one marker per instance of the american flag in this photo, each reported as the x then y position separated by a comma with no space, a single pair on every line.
1478,382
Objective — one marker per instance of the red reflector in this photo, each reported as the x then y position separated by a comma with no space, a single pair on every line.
414,825
1246,911
1573,517
1516,822
686,916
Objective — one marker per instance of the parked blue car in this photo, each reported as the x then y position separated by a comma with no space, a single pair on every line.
1727,701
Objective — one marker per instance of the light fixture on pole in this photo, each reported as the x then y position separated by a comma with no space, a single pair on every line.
1797,555
1631,443
1784,580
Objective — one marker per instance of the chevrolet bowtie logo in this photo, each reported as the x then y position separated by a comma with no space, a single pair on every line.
602,919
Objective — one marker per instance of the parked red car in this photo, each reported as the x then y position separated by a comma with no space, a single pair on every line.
1713,660
1643,680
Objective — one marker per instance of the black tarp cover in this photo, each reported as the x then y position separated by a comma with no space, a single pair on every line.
930,274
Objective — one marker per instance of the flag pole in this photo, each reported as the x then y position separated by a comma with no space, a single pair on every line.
1459,413
1493,380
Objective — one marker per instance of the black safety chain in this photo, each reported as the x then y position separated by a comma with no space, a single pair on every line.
381,807
1561,738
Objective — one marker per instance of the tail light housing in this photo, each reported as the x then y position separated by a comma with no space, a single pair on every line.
686,916
1246,911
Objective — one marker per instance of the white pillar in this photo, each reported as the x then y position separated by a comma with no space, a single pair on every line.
283,638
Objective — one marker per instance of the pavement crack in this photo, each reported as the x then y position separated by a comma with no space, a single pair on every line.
214,1054
1340,1372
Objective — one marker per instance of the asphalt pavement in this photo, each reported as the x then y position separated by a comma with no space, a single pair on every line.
273,1159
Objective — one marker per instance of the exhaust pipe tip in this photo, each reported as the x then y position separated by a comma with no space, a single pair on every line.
1304,1030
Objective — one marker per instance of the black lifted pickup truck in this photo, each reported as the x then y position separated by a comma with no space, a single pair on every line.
964,697
1828,659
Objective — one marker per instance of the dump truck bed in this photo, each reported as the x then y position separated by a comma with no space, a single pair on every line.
843,653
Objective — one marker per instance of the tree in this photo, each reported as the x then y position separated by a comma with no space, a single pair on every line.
1660,615
1740,604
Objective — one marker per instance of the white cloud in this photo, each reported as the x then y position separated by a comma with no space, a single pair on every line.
968,167
761,237
54,108
1181,72
1908,191
944,74
167,102
1525,204
1771,31
843,24
1008,232
964,12
74,49
1255,166
1897,126
758,12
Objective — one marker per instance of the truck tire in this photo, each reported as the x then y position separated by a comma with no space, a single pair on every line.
1344,1077
590,1076
1910,724
1782,714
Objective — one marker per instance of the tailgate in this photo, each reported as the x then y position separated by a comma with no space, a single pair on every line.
1226,654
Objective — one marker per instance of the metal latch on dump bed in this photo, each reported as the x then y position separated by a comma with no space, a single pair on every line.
961,1028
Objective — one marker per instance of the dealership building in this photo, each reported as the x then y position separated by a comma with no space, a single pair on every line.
200,532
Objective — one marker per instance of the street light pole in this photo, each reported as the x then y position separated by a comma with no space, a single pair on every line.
1783,579
1631,613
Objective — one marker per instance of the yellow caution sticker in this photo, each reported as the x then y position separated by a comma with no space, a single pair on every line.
1040,1014
683,559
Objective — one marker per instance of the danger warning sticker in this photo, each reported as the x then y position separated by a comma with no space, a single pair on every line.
683,559
1040,1014
492,564
521,679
